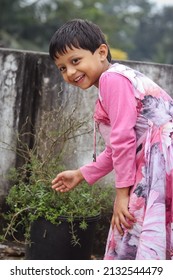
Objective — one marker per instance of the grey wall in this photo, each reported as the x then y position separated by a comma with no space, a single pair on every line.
30,85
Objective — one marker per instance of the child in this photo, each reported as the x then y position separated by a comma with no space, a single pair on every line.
134,116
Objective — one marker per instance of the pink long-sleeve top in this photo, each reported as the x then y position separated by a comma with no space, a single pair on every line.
116,115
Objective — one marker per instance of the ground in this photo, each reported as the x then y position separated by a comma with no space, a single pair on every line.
12,251
16,251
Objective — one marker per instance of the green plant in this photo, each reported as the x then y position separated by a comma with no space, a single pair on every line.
31,195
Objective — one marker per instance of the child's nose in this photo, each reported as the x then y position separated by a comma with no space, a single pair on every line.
71,71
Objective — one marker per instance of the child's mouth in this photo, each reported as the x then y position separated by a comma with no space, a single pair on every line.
79,79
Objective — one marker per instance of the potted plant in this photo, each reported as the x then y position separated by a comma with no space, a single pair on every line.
55,225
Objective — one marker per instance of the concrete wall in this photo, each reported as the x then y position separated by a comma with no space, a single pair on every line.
30,85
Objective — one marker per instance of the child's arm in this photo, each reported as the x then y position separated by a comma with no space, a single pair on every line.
118,101
93,171
121,216
67,180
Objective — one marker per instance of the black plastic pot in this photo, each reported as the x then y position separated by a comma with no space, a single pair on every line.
54,242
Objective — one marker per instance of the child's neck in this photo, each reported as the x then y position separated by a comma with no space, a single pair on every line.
105,68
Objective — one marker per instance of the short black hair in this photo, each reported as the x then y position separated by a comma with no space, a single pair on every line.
77,33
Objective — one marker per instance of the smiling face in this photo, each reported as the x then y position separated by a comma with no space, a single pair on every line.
82,68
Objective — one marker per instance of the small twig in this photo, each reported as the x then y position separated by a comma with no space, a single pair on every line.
13,219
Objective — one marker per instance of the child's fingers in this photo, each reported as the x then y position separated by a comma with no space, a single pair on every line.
113,222
118,225
123,221
130,217
57,178
58,186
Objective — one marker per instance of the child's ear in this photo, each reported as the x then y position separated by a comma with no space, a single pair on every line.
103,51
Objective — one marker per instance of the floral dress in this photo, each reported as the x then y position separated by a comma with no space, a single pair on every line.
151,197
151,237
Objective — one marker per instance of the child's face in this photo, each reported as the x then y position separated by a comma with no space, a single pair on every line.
81,68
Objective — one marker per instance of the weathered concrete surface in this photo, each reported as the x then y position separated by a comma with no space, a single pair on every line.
30,85
26,81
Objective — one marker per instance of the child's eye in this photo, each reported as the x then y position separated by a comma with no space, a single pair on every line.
75,60
62,69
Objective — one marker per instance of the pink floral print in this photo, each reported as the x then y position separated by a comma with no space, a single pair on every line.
151,201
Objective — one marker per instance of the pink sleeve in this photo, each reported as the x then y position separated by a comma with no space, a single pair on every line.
96,170
118,101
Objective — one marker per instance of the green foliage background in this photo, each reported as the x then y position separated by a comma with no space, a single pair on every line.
136,27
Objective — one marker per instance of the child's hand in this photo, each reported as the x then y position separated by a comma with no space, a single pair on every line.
121,216
67,180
